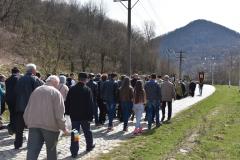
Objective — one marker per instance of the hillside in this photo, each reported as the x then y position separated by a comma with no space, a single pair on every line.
199,39
7,56
70,37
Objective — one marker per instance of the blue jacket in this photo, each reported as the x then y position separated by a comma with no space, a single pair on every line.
110,91
153,90
24,87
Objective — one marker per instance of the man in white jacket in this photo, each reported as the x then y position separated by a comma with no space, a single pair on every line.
44,116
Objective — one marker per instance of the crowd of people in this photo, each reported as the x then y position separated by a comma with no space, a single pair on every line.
41,104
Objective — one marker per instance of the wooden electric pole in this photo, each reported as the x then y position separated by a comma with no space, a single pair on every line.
180,63
129,8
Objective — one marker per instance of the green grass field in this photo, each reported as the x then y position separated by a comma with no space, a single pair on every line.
208,130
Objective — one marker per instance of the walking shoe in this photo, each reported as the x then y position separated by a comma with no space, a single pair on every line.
136,131
74,155
140,130
110,129
125,129
90,148
158,125
162,119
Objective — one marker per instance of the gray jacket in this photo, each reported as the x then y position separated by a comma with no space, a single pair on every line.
168,91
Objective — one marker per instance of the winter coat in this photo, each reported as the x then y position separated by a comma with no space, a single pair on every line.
11,83
79,103
168,91
110,91
24,87
94,88
45,109
153,90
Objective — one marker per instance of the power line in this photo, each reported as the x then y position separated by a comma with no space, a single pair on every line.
146,10
156,14
129,8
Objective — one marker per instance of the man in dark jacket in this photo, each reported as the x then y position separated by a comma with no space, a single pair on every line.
79,106
153,94
192,87
110,88
24,87
102,106
94,88
11,98
134,80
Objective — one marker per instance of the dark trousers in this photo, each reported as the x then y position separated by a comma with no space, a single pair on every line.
200,89
126,108
95,112
103,111
164,103
37,137
12,113
119,113
20,125
85,125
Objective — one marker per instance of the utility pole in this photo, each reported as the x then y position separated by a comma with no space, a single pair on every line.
168,63
129,8
168,51
230,72
130,35
239,73
180,64
212,68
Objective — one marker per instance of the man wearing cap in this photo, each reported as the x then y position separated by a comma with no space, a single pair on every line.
79,106
11,98
168,93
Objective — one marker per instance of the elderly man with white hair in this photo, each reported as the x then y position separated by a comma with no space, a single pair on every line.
44,116
168,94
24,87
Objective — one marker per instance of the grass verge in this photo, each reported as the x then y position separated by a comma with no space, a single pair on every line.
208,130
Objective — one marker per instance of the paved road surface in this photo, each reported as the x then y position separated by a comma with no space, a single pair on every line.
105,141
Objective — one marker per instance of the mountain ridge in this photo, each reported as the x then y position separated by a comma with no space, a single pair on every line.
199,39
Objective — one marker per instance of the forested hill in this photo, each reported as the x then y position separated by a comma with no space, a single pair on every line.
200,38
59,36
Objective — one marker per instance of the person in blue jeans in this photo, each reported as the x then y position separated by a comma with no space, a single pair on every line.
126,100
109,92
80,107
153,94
138,106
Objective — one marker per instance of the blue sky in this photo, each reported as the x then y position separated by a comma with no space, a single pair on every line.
168,15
